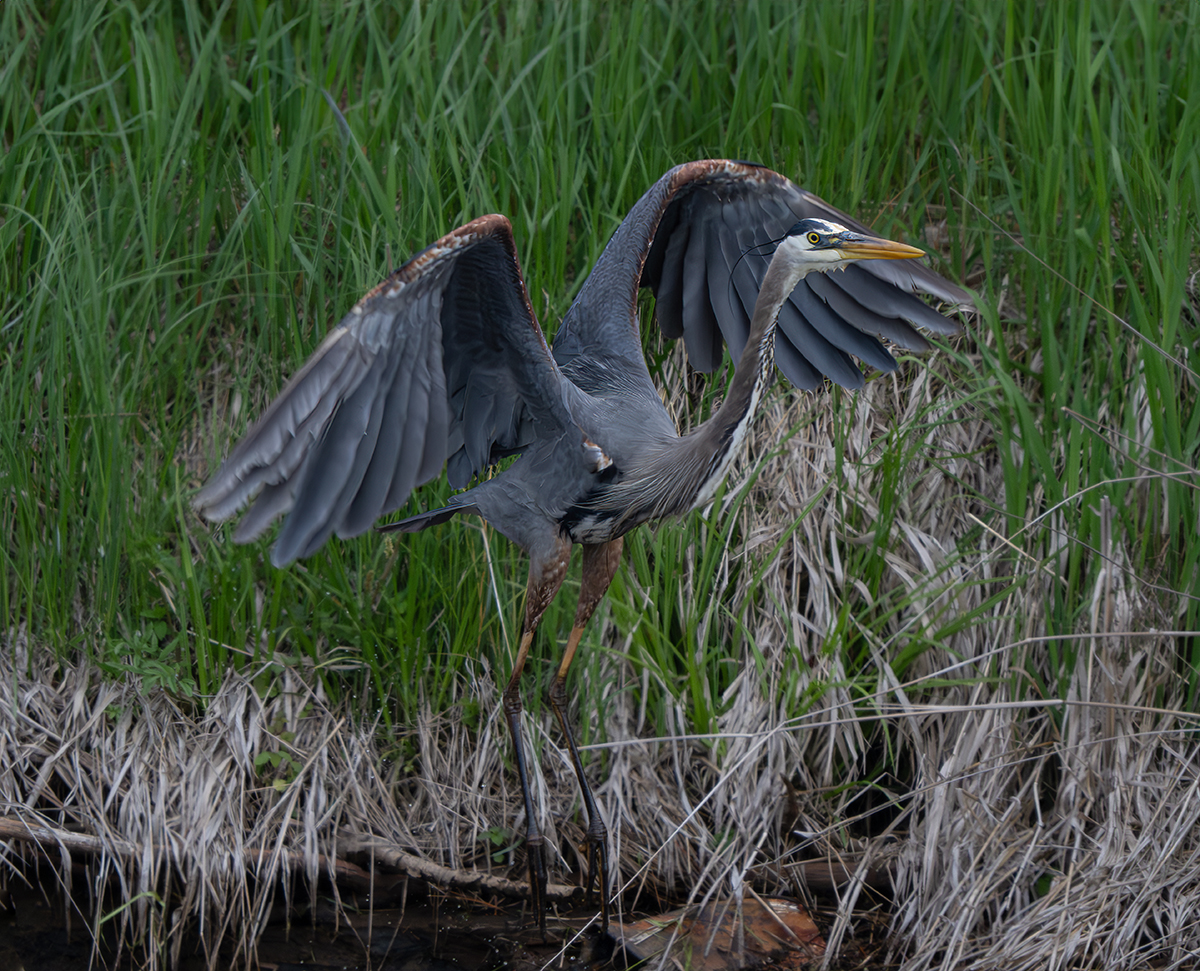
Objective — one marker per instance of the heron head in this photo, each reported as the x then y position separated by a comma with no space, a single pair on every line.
818,244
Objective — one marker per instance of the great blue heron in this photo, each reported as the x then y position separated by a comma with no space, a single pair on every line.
444,365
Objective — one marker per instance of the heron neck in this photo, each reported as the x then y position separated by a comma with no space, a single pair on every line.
756,367
719,440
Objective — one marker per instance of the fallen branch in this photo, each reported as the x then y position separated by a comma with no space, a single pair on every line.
345,873
444,876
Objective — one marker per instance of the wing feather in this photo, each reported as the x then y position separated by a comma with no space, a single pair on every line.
794,365
286,430
865,287
432,384
728,289
889,328
668,305
391,451
825,358
701,333
836,330
334,470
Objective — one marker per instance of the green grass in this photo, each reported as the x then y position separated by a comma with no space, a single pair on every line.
181,220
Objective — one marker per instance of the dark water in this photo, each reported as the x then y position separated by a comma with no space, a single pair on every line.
39,932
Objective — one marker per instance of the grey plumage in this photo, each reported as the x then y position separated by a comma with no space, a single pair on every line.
444,365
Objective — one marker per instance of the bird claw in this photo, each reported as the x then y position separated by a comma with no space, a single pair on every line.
597,875
536,854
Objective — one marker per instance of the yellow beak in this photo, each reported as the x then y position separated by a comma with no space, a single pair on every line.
859,247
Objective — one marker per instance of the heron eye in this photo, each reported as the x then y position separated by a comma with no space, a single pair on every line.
814,238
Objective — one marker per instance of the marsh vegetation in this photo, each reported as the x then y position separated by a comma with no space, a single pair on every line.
942,628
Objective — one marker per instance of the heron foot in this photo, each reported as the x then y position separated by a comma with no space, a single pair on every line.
597,862
535,852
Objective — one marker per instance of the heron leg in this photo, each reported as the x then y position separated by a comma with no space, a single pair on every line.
545,579
600,562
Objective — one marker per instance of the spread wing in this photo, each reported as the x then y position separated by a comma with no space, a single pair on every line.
442,364
700,239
